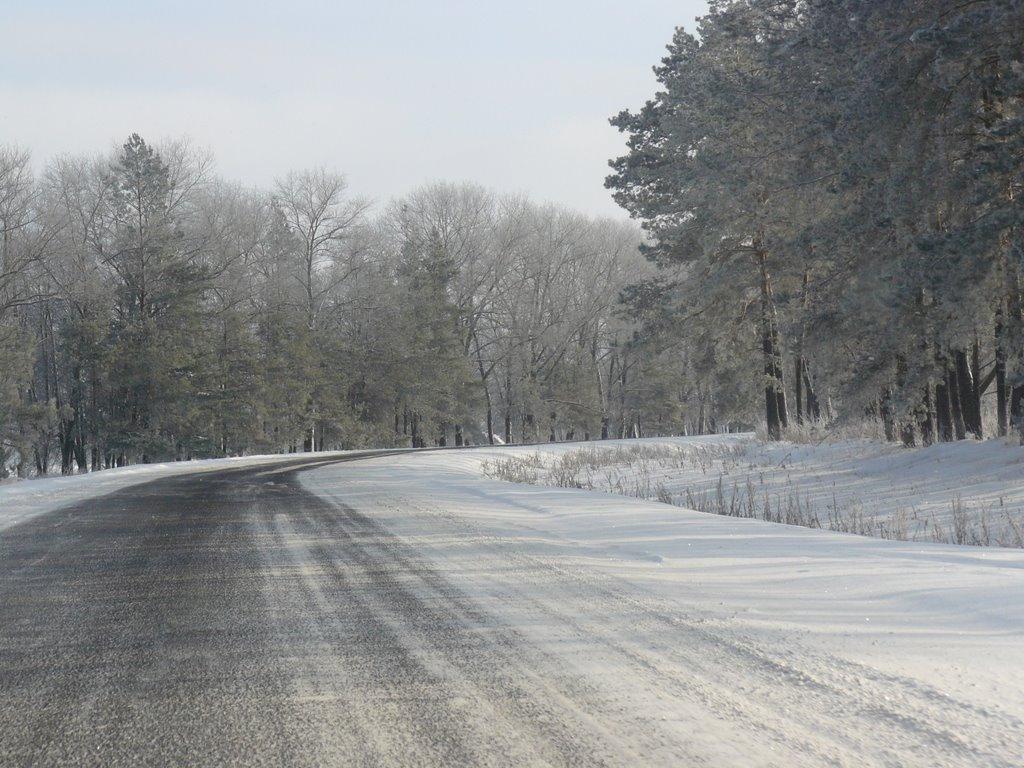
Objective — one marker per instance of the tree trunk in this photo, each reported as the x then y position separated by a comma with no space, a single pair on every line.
943,409
65,437
771,410
979,387
955,404
622,399
968,395
774,389
1002,401
908,434
484,373
1017,408
1015,311
885,413
928,423
798,386
508,409
907,429
529,429
81,457
800,365
414,430
812,404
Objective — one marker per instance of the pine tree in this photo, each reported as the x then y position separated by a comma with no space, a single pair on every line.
160,283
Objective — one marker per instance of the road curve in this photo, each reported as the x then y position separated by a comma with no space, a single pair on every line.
234,617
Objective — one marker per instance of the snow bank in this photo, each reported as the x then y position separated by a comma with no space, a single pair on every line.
948,616
967,492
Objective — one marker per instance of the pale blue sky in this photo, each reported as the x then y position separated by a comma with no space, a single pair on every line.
514,95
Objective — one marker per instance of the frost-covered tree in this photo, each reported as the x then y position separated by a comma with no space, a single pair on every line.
844,178
153,311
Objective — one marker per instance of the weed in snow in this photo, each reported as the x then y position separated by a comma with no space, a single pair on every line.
734,481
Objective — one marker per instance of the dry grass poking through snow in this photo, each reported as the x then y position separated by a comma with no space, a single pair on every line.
745,478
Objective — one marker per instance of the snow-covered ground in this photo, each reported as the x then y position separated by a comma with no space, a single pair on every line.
966,493
760,643
712,640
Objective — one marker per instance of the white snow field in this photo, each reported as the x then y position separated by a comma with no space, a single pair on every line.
722,641
967,492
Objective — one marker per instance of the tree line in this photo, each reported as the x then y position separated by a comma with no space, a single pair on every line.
830,200
152,311
832,193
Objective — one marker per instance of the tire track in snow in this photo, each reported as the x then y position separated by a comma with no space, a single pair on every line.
832,702
546,717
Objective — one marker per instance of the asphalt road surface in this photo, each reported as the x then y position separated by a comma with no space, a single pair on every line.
233,617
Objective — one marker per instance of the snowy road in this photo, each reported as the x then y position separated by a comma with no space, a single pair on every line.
303,613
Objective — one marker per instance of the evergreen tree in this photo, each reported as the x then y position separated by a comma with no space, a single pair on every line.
161,279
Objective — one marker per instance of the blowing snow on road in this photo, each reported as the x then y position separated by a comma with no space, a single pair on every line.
401,610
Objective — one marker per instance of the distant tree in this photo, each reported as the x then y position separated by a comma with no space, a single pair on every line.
161,278
322,220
